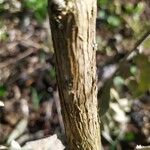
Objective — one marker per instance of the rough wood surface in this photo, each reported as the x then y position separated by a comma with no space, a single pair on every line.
73,34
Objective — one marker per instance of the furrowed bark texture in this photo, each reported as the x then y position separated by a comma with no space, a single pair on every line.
73,34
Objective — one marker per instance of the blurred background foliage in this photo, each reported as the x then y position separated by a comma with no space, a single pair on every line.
38,7
28,79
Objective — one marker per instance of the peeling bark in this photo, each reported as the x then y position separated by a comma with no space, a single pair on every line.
73,34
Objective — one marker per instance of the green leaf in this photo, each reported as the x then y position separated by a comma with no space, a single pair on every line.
114,20
129,136
139,8
3,91
1,1
118,82
133,87
102,14
133,70
102,2
104,97
39,7
52,73
35,99
129,7
143,63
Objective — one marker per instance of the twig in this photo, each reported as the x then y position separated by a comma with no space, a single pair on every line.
27,43
138,43
14,60
134,49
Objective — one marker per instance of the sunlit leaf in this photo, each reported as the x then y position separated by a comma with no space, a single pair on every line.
114,21
146,43
133,70
119,115
139,8
1,1
102,14
143,63
118,82
129,8
1,104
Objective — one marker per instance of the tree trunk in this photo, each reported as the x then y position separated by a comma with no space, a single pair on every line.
73,33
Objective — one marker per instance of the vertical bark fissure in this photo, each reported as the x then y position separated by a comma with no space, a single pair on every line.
64,104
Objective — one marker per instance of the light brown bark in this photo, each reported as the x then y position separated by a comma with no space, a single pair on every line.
73,34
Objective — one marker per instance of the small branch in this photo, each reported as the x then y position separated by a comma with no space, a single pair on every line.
103,94
14,60
134,49
137,44
28,43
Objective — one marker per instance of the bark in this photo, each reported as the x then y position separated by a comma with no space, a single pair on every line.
73,34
